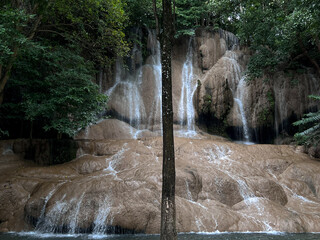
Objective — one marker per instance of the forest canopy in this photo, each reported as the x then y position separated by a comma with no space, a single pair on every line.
49,52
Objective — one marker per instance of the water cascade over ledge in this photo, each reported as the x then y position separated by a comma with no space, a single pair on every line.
239,99
136,92
208,84
115,187
186,111
114,183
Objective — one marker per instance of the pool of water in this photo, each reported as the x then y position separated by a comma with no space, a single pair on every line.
189,236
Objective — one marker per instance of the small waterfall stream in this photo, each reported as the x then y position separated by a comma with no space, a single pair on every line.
129,84
186,110
239,99
156,109
127,96
238,89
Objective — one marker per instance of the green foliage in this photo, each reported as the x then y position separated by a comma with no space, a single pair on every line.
189,15
263,61
266,115
3,133
48,53
207,100
56,88
281,34
224,14
140,12
96,26
11,20
271,99
309,127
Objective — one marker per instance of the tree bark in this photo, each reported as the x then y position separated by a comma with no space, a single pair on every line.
5,77
174,17
156,17
317,43
168,209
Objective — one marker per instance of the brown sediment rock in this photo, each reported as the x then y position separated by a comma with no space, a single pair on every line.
220,186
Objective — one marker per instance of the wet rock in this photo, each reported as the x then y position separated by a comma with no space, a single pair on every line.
188,183
266,188
107,129
220,186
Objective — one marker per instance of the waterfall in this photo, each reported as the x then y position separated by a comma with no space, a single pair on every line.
238,89
128,83
127,96
100,226
186,112
42,225
155,62
239,99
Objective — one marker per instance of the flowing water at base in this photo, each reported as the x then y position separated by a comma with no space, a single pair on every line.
190,236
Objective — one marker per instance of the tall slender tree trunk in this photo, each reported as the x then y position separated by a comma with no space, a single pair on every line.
168,209
5,73
154,3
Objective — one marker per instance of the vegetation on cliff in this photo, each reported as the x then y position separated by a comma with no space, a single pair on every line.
309,127
49,51
281,34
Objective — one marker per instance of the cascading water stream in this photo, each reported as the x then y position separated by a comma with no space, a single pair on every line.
156,109
129,83
186,112
238,89
239,98
127,92
220,157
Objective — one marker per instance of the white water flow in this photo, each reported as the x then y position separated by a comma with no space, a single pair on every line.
155,114
220,156
127,94
186,112
238,88
41,221
239,98
126,90
237,85
100,225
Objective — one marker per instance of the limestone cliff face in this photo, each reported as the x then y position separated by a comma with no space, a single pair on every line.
115,186
269,105
209,88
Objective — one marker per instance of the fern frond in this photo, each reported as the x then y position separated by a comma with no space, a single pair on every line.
311,117
311,114
314,97
311,121
308,131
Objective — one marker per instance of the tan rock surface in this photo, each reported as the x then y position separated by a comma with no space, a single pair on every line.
220,186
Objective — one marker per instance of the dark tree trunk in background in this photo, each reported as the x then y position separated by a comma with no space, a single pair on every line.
154,3
168,208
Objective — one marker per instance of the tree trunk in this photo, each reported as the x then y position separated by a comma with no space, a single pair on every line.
317,43
168,209
6,73
156,17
